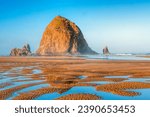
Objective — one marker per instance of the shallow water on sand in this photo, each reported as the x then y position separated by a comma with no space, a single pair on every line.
36,71
82,77
77,89
129,79
39,78
105,95
17,81
115,57
92,90
116,77
14,84
27,90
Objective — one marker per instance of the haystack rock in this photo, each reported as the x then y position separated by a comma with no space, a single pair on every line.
63,37
25,51
106,50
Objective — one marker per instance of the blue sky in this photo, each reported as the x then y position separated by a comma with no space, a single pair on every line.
122,25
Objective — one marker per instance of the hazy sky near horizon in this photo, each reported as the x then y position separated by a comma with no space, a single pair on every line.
122,25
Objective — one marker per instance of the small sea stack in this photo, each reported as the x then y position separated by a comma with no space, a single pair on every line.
24,51
106,50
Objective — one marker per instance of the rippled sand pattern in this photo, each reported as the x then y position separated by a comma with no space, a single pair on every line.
61,73
79,97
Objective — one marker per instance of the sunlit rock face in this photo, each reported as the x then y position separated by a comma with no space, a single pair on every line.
63,37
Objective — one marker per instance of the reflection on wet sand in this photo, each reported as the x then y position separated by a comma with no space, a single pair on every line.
63,78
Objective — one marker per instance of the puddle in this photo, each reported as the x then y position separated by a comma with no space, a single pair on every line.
82,77
129,79
73,90
18,83
92,90
116,76
144,94
5,79
17,68
27,90
36,71
1,76
11,71
137,80
49,96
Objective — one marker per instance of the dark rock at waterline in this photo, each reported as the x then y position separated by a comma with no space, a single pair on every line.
106,50
25,51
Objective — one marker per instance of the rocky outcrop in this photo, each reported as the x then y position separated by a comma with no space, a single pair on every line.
25,51
106,50
62,37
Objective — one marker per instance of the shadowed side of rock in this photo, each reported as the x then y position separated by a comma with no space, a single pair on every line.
63,37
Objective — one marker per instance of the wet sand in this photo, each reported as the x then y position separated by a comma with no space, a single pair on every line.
147,56
79,97
122,88
64,72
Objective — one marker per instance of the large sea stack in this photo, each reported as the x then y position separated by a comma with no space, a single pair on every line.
63,37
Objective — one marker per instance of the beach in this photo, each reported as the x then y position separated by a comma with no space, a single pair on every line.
73,77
